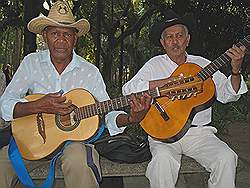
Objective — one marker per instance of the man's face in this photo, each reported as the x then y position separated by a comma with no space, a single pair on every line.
174,40
60,41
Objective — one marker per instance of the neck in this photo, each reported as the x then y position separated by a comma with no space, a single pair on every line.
60,65
179,59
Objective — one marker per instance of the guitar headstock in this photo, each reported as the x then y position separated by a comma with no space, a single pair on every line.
181,87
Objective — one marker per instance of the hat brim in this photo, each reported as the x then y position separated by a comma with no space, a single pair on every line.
157,29
37,25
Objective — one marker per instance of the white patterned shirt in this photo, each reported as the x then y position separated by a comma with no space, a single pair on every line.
37,74
161,66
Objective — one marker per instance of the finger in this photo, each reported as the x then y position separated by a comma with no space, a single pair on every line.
56,94
69,104
63,105
132,106
243,48
148,100
240,49
233,54
237,51
135,106
64,109
134,100
60,99
140,103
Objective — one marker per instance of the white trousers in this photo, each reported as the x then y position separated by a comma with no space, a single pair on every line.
201,144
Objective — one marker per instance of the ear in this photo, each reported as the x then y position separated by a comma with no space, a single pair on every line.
75,40
188,39
162,42
44,34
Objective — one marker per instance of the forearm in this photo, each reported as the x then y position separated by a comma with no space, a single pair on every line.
157,83
123,120
236,80
22,109
225,89
237,57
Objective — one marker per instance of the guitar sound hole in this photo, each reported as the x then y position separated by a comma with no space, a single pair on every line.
67,122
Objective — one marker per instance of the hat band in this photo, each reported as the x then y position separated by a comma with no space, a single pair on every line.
65,23
171,20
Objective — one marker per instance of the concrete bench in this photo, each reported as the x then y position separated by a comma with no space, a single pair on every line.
191,173
110,168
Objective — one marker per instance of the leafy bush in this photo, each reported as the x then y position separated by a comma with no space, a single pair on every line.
226,114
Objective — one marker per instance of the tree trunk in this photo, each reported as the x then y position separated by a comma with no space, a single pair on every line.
108,62
32,9
99,13
17,52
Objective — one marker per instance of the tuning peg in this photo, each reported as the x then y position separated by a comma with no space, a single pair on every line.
189,95
181,75
173,98
184,96
195,94
179,97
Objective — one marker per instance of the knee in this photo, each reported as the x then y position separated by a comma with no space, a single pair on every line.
7,175
164,160
163,168
227,156
74,163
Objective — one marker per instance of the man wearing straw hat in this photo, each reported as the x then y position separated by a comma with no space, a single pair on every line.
60,69
199,142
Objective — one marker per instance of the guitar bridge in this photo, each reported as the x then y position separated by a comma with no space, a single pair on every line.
163,114
41,126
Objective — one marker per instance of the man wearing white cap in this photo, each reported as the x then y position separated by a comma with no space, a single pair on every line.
60,69
199,142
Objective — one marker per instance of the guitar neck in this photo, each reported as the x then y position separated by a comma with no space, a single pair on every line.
110,105
219,62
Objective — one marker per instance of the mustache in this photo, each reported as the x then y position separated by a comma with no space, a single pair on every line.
175,46
60,46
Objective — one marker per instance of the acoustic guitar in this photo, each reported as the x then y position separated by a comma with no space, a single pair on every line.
169,119
39,135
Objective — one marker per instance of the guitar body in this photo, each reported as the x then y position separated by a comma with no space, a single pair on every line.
31,144
180,112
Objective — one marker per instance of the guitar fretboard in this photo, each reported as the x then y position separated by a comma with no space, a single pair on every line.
109,105
222,60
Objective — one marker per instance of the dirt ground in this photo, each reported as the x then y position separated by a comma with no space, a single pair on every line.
238,137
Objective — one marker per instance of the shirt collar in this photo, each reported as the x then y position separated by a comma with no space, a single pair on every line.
75,62
168,58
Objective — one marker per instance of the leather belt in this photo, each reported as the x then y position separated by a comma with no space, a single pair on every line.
209,124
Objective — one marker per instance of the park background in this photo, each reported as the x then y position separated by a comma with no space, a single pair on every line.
118,44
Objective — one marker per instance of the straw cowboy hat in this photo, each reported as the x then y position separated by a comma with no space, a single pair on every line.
170,18
60,15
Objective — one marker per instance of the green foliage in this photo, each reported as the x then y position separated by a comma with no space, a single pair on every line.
86,49
218,24
226,114
10,14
